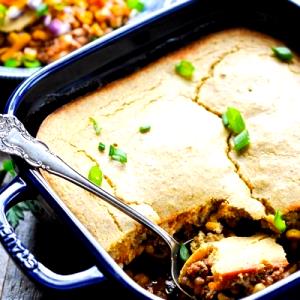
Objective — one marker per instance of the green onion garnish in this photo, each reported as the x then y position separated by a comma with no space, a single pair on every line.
283,53
8,166
12,63
185,69
117,154
31,63
279,222
96,126
145,128
95,175
3,10
136,4
242,140
42,10
184,252
101,147
233,119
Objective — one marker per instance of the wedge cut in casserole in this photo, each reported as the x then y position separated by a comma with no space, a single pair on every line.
184,173
233,263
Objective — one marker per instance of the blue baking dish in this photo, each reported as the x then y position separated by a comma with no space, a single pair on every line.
118,54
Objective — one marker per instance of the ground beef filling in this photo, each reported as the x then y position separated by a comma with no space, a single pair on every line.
203,284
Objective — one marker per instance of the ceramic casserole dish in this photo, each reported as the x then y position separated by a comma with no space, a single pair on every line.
96,64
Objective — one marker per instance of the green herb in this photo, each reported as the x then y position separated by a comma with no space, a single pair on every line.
185,69
42,10
225,120
184,252
95,175
16,213
101,147
12,63
8,166
3,10
96,126
31,63
145,128
233,119
117,154
279,222
136,4
283,53
242,140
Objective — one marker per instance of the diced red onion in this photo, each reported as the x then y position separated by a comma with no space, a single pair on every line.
58,27
47,20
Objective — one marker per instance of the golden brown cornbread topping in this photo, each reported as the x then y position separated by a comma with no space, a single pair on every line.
185,164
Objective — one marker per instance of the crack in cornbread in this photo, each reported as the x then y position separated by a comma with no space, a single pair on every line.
184,164
209,76
266,91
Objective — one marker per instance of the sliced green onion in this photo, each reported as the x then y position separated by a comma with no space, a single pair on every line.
185,69
96,126
145,128
242,140
184,252
101,147
42,10
3,10
12,63
233,119
31,63
283,53
279,222
95,175
136,4
117,154
225,120
8,166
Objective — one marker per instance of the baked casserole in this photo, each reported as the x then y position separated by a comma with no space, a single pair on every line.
182,171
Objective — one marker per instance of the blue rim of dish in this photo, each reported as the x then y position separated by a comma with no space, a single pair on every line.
150,7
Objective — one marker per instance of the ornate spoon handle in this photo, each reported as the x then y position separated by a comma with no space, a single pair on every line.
15,140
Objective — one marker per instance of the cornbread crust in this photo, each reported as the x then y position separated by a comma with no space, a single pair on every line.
179,168
266,91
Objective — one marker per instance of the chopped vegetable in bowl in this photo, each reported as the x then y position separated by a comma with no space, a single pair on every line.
36,32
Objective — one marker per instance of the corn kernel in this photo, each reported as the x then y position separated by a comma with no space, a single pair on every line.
293,234
85,17
258,287
102,15
214,226
117,10
40,35
30,53
96,30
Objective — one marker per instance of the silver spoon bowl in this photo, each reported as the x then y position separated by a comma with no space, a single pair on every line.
15,140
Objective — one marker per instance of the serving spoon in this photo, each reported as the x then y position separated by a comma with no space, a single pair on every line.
15,140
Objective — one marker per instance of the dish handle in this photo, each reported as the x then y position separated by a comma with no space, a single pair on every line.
25,260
